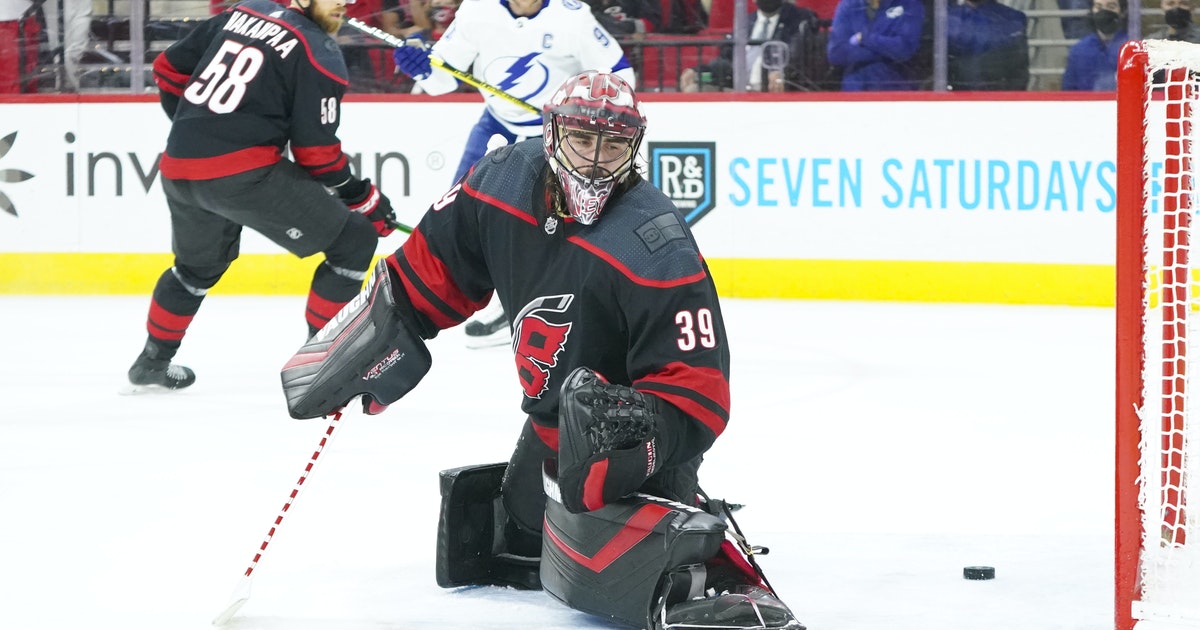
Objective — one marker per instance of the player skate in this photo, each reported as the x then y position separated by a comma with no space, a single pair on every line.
489,328
153,371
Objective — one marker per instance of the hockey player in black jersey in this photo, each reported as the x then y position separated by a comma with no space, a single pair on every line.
240,88
620,349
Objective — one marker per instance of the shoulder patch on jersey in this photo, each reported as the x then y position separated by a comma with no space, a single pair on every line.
644,238
573,5
500,154
661,230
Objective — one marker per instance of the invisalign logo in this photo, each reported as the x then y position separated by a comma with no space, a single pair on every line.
8,175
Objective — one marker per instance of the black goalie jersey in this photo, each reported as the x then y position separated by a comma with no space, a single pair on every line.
246,83
628,296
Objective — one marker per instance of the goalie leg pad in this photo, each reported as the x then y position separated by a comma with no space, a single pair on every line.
473,532
617,561
368,348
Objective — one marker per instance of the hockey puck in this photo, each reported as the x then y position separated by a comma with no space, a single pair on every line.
979,573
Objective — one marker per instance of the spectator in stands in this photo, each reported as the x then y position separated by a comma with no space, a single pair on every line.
1179,28
1076,27
441,14
19,33
987,46
405,18
71,43
427,19
875,43
628,17
685,17
775,20
368,62
76,29
1092,61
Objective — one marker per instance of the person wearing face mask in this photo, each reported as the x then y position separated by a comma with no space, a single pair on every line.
987,46
1092,61
1179,28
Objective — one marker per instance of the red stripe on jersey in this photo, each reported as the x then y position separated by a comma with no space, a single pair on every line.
218,165
640,525
317,160
167,77
165,325
492,201
434,274
707,382
303,40
548,435
628,273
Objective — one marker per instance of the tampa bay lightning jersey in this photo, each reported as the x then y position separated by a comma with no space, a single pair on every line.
527,57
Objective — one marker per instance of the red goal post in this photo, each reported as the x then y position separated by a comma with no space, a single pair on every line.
1157,546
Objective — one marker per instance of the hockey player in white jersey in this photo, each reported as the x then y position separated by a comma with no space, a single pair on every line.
527,48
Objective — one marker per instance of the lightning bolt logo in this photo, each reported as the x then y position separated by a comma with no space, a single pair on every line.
519,69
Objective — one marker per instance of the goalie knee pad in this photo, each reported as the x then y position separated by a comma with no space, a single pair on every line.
475,542
623,560
368,348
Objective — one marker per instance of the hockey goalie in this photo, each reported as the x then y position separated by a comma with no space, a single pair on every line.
620,348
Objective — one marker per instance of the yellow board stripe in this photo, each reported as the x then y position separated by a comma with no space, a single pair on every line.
903,281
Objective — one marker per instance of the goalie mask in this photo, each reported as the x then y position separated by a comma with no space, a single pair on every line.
592,128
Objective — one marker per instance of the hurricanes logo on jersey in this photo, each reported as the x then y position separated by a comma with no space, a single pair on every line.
537,342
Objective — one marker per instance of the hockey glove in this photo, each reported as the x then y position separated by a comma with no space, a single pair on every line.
413,58
610,441
374,205
369,348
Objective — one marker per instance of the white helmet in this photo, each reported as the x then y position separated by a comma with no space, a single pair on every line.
592,128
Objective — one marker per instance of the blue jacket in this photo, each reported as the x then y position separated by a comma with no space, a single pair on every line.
987,47
880,61
1092,64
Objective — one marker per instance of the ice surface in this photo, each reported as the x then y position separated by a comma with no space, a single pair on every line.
879,448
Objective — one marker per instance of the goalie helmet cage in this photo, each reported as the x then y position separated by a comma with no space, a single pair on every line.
1157,543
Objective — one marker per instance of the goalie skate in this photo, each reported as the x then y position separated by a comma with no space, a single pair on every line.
489,329
742,607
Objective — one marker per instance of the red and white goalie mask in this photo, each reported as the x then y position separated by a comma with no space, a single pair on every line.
592,128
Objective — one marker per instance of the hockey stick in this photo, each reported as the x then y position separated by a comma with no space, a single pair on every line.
396,225
241,593
387,37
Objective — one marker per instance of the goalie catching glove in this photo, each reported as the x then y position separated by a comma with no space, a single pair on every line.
611,439
369,349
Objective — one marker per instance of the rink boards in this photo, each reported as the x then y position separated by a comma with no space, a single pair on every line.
917,199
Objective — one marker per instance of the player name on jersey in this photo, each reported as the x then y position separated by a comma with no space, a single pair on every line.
272,34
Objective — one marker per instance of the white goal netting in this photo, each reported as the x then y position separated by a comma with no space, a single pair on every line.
1168,562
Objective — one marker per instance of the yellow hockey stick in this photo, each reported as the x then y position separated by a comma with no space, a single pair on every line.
442,65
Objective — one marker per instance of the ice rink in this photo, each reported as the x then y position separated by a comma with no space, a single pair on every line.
879,449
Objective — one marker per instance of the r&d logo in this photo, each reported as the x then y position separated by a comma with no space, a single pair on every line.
684,172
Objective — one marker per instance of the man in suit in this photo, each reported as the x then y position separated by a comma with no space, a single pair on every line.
775,20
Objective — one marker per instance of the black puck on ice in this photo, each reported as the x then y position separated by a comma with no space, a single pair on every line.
979,573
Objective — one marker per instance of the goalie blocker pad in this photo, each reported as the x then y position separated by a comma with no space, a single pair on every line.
471,541
620,561
367,348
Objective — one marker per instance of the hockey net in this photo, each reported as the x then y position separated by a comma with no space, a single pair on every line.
1157,567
